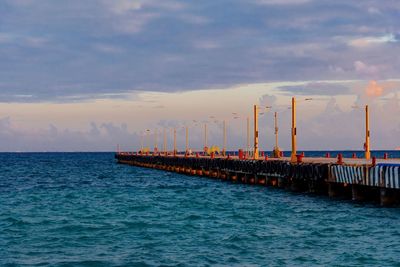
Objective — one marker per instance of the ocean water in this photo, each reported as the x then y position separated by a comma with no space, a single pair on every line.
83,209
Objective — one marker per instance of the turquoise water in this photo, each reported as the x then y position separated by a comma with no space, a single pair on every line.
83,209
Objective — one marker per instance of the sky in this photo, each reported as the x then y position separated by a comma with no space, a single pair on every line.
88,75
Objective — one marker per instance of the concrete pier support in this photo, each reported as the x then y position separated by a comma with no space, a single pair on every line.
234,177
333,190
223,175
343,191
251,179
279,182
388,197
261,180
357,193
311,187
243,179
297,186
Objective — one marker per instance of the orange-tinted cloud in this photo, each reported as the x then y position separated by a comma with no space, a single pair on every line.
374,89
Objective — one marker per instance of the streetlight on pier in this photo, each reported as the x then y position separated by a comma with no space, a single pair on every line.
276,152
367,151
256,153
186,128
156,140
256,113
173,132
187,139
165,141
248,135
237,116
148,140
195,124
141,141
293,157
224,140
224,133
175,151
205,136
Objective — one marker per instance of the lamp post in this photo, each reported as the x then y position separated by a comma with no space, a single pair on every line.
236,116
367,134
224,141
205,137
294,131
148,141
367,152
256,153
175,141
165,142
206,148
248,137
276,152
174,136
264,113
196,124
156,140
224,133
293,157
141,142
187,139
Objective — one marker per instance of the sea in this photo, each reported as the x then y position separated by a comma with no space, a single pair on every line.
84,209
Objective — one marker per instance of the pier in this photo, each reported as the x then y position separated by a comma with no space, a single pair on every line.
353,179
358,179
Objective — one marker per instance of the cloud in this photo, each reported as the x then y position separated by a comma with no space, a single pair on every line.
72,48
134,24
195,19
96,138
159,107
282,2
21,40
108,49
316,88
124,6
267,100
373,89
31,127
371,41
363,68
6,38
374,11
206,44
66,97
